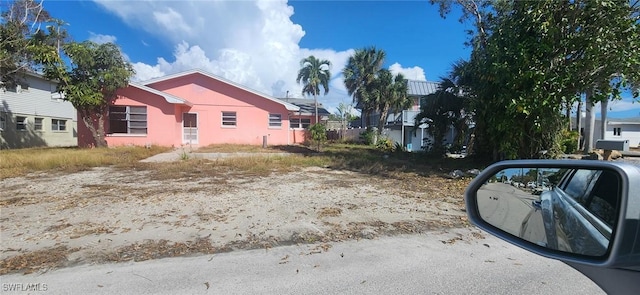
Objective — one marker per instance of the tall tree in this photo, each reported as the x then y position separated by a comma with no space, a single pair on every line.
538,56
344,115
314,73
442,110
22,35
388,92
90,83
359,74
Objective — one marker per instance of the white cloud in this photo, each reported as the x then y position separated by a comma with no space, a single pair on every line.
414,73
626,105
172,22
253,43
101,39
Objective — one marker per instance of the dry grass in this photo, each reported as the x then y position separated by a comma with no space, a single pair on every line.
15,163
253,166
329,212
357,158
36,260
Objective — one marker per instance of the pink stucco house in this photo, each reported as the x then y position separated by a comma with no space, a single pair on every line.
198,108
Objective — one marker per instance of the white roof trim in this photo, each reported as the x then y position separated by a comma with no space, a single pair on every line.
168,97
289,106
623,123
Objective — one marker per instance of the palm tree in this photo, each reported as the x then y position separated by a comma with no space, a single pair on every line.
443,109
359,74
314,73
388,92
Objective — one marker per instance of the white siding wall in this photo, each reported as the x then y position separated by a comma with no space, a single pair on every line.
36,102
415,140
629,132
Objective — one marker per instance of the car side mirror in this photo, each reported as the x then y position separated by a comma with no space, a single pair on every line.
574,211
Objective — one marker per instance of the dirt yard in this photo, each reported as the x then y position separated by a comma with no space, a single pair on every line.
105,214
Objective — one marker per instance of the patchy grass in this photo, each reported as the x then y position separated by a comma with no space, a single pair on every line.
357,158
23,161
254,166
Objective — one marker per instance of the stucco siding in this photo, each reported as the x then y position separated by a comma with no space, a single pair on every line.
31,136
163,120
211,98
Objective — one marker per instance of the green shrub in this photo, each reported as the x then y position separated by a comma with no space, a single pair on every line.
385,145
368,137
317,135
569,141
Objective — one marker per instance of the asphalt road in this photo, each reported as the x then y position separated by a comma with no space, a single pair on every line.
510,209
433,263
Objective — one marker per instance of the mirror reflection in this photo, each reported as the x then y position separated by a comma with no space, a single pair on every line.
570,210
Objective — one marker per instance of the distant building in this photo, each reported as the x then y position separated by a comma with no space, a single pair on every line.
33,114
616,129
400,124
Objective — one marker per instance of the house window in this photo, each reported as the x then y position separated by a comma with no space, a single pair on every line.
300,123
128,119
37,124
21,123
229,119
58,125
617,131
275,120
24,87
3,122
11,87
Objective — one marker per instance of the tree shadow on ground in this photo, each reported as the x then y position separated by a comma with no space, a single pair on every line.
294,149
376,162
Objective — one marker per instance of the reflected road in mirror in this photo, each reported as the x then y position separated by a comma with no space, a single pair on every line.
511,209
569,210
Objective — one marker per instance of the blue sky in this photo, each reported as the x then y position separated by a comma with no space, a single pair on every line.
259,43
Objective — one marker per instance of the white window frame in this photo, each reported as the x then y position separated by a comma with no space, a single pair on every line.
275,121
619,131
38,124
58,125
21,123
132,116
229,119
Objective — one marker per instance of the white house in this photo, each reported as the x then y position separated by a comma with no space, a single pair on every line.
624,129
400,126
33,114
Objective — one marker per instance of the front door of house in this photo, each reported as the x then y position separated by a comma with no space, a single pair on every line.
190,128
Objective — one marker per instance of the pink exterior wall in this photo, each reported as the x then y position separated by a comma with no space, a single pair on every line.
209,98
163,126
164,120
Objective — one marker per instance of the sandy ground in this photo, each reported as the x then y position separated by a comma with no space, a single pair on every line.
105,214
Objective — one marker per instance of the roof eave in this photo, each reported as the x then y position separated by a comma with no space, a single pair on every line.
167,97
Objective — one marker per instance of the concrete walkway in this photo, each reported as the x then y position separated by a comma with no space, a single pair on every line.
183,154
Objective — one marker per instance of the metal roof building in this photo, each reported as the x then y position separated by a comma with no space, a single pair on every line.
421,88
